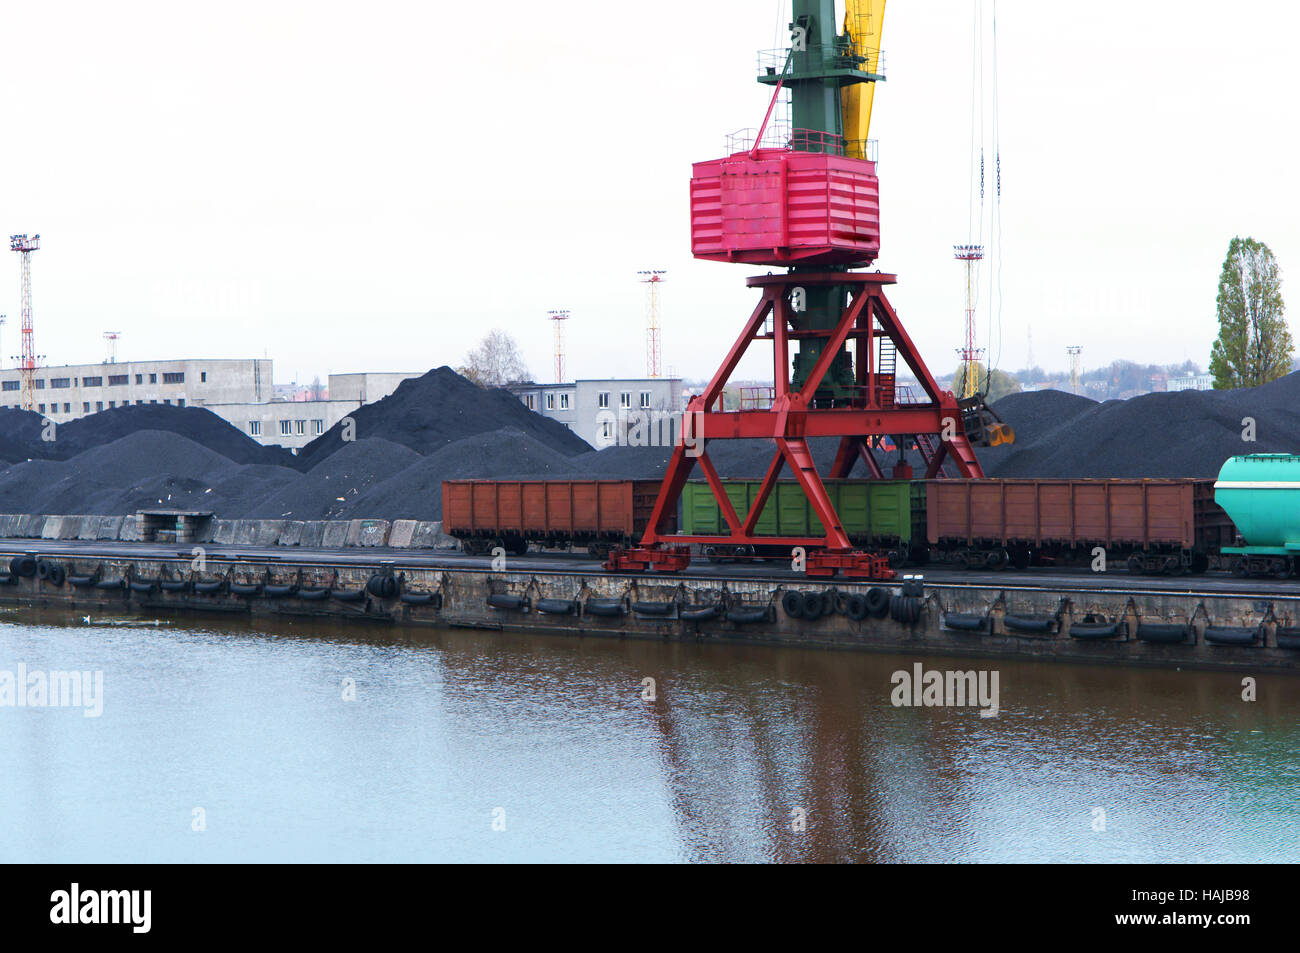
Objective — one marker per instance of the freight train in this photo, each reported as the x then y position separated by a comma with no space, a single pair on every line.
1168,526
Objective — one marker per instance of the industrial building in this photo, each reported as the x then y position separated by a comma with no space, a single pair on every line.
239,391
604,411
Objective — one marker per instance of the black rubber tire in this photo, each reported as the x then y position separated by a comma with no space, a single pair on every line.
1094,630
878,602
348,595
42,569
830,602
8,579
504,600
208,588
792,604
701,613
143,586
79,581
173,585
419,598
1027,624
1163,632
855,606
246,589
605,608
556,606
382,585
278,591
57,574
653,608
23,566
114,583
812,605
750,616
314,595
1225,635
965,622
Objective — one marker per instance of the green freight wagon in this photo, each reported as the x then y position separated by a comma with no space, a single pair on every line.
882,514
1261,493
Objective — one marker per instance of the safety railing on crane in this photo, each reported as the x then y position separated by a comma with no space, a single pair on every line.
841,56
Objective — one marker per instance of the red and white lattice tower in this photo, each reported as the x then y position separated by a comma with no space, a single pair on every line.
559,317
25,246
653,346
970,354
112,338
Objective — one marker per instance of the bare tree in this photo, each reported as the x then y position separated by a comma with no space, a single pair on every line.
496,361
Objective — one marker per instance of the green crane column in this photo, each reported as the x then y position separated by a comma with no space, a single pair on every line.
815,107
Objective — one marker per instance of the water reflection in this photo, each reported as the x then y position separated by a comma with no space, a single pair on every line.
453,729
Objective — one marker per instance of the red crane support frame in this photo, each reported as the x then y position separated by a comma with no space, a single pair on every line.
792,420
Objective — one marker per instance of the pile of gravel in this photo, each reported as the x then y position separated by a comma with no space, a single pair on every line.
429,412
1180,434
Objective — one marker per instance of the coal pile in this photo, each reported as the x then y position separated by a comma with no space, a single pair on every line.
329,489
22,433
429,412
1179,434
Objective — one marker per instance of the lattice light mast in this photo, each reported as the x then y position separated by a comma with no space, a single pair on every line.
559,317
969,353
1074,351
112,338
653,345
25,246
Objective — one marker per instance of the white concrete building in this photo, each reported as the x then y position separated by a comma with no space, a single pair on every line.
239,391
1196,382
607,411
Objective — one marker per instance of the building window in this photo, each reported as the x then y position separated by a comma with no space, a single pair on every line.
167,401
60,382
39,384
67,408
606,429
203,377
99,405
645,398
173,378
139,402
286,428
318,426
300,427
92,382
116,380
85,406
139,378
11,385
625,399
255,428
550,401
602,399
153,378
528,402
564,402
180,402
40,408
112,403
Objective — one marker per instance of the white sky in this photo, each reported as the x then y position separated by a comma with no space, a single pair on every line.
348,187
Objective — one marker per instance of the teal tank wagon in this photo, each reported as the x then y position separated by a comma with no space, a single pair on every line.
1261,493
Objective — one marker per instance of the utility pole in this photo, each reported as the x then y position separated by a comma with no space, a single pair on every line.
25,246
1074,351
653,348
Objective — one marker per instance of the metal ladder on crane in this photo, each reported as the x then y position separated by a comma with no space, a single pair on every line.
926,445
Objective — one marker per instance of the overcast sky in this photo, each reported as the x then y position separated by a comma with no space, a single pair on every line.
347,187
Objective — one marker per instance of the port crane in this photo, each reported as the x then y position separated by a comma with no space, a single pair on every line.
806,199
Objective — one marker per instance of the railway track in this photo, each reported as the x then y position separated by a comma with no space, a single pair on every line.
1039,580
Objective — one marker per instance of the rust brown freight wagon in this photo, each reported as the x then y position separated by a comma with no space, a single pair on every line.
1152,525
597,514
